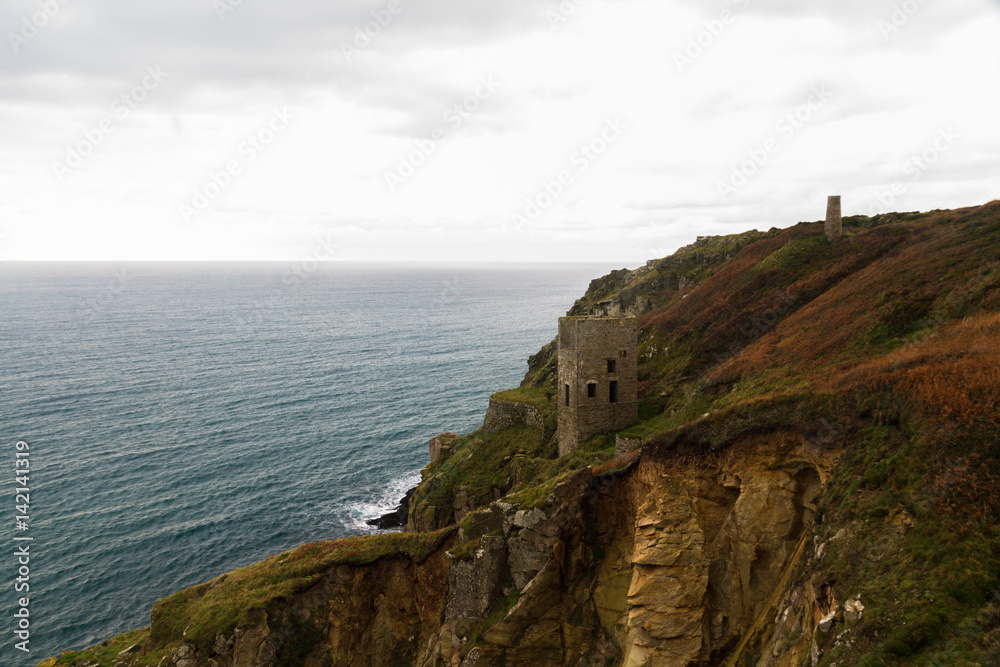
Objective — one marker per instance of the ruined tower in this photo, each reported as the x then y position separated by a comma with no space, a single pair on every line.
598,378
834,222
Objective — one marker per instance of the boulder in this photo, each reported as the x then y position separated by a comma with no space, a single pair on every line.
474,585
440,445
481,522
853,610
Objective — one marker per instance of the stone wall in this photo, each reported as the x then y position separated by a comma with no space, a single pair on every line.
503,415
595,354
624,445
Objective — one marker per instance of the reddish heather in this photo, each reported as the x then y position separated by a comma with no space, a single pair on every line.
883,307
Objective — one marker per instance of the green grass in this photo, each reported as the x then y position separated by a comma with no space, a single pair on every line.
931,590
199,613
242,597
479,465
535,495
539,398
484,464
466,550
795,254
810,414
105,652
717,246
544,475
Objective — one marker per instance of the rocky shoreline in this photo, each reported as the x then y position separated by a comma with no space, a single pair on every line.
397,517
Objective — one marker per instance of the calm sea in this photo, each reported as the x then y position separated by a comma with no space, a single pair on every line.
186,420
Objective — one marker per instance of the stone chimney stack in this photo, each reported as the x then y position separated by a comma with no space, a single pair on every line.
834,222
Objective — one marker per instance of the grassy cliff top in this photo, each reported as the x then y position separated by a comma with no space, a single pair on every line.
240,598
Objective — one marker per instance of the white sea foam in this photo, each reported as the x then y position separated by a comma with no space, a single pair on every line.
381,501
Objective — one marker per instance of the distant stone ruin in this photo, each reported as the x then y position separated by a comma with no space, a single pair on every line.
598,378
834,221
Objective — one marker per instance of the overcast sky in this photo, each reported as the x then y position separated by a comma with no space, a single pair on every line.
526,130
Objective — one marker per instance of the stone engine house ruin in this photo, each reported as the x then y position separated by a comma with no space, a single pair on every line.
598,378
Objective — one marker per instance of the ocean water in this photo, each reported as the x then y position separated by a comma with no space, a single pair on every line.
186,420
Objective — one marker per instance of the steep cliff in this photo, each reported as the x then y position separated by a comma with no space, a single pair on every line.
813,480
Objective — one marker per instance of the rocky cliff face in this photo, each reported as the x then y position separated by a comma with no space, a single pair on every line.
664,559
377,614
714,544
672,562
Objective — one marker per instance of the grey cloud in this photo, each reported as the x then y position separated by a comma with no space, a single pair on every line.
94,37
424,126
98,50
874,24
679,205
843,11
477,105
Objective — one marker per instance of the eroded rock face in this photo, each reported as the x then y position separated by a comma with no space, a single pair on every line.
672,561
383,614
711,545
382,617
473,585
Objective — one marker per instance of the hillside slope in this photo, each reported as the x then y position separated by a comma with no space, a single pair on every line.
813,480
